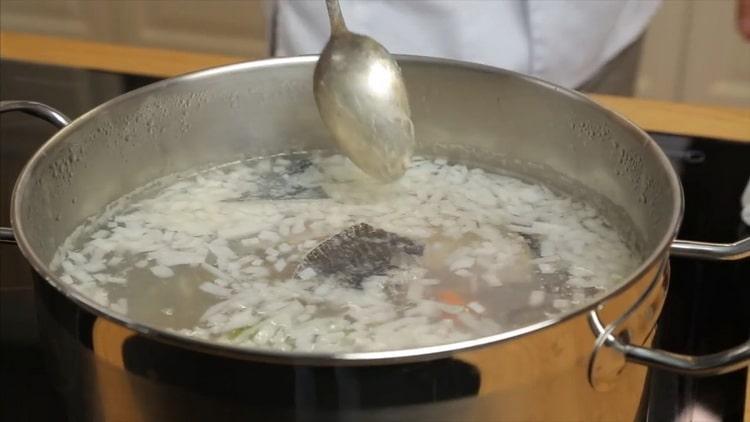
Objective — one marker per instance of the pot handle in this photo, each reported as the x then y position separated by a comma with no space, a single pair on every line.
712,251
716,363
728,360
35,109
613,347
613,351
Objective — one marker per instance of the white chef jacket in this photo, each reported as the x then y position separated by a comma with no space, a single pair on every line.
562,41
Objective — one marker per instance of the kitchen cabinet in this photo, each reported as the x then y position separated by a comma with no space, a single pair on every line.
693,52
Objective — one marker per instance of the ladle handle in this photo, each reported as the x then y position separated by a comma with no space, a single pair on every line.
338,25
35,109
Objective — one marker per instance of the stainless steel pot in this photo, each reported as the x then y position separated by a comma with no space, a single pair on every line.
570,368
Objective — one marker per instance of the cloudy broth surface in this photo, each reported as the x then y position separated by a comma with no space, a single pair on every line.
218,254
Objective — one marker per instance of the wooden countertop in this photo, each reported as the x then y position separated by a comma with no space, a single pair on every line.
731,123
688,119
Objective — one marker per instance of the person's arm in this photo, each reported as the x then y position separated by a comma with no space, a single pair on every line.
743,18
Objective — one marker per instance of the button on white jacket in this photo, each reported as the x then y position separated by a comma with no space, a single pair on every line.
563,41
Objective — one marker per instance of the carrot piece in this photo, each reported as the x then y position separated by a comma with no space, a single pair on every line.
450,297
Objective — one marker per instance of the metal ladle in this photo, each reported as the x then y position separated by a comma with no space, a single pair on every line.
362,100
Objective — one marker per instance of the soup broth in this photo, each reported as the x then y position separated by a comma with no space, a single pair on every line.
219,254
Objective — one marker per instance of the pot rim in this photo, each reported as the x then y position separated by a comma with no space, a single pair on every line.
350,358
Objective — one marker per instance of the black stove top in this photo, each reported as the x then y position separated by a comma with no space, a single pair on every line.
707,309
